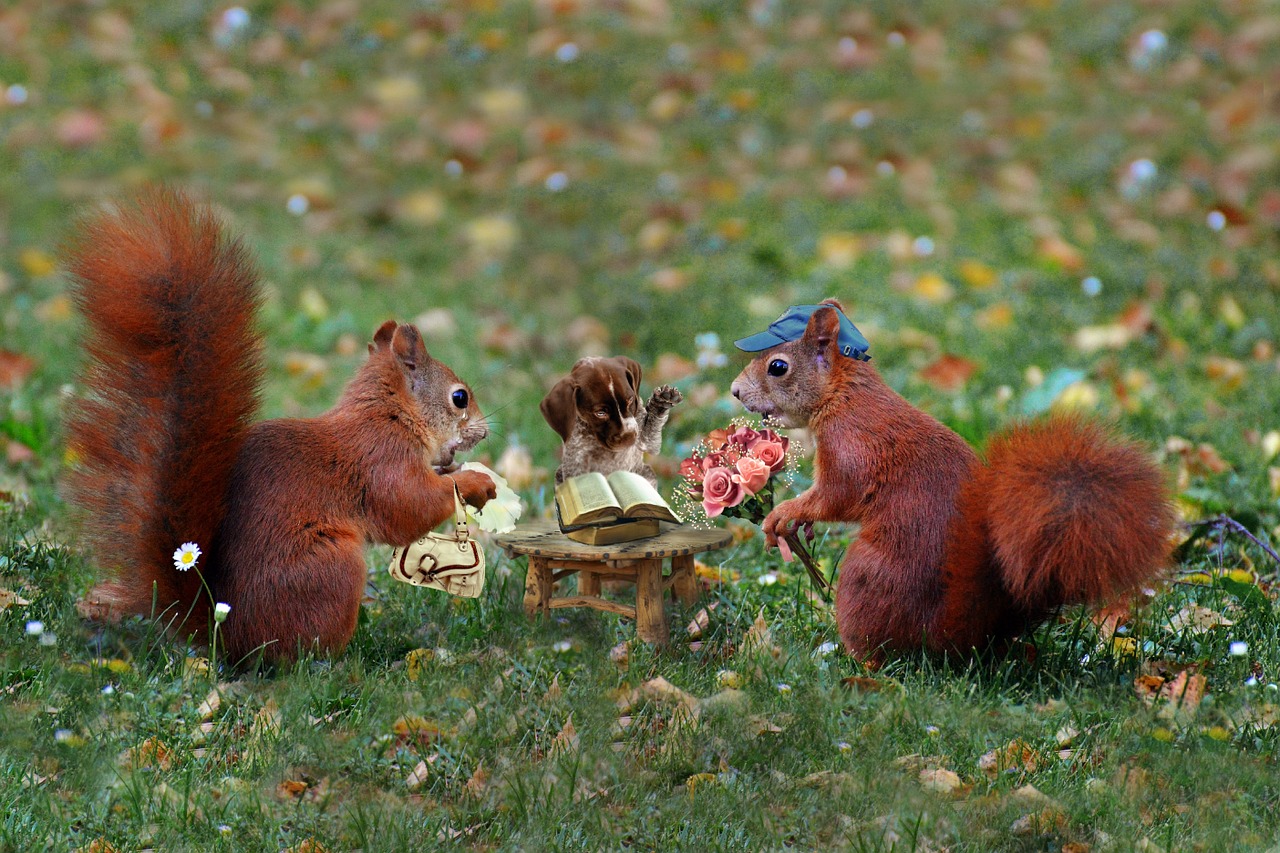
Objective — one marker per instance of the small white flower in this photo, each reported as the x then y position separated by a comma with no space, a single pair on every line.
186,556
224,829
1251,682
35,629
845,747
108,690
220,611
784,689
827,648
63,735
1239,649
768,579
563,646
932,731
48,638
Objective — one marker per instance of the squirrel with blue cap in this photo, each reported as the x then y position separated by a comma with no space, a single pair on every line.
955,552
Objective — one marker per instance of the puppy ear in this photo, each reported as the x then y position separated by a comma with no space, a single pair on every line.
560,407
382,337
632,369
408,348
823,333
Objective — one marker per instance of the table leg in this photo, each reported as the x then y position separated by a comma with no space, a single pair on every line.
588,583
537,587
651,618
684,585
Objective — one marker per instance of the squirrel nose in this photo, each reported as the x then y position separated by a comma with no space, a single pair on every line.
736,391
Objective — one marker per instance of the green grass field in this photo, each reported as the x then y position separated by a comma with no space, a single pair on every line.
1021,205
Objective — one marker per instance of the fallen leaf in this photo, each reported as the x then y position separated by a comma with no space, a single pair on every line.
699,623
933,289
1015,755
14,368
420,773
1195,619
948,373
940,781
566,740
861,682
8,599
152,753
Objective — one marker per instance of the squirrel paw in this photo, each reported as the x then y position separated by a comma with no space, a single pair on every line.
785,520
476,488
665,397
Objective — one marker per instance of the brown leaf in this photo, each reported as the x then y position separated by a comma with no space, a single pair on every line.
949,373
14,368
1148,687
864,684
8,599
941,781
420,773
566,740
1015,755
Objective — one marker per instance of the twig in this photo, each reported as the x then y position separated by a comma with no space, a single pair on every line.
1228,521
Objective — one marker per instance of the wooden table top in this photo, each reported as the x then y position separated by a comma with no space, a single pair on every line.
541,537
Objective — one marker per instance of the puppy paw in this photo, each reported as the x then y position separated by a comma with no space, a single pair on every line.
665,397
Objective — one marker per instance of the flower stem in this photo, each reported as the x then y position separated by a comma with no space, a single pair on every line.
815,572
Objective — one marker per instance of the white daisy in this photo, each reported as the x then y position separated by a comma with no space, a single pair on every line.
186,556
220,611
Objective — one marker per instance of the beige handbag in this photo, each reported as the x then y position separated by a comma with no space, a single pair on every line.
454,564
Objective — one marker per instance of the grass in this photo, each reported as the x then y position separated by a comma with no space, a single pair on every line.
715,164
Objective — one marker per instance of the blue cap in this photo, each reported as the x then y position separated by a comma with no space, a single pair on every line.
791,325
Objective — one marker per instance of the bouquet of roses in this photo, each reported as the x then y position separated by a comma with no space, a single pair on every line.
732,472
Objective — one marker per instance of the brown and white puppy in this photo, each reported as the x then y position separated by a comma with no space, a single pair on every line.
596,410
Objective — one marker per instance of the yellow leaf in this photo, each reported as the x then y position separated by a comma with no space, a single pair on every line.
412,725
698,780
415,662
37,263
994,317
977,275
933,288
839,250
1231,313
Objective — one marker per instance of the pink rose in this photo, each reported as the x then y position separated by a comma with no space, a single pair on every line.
744,437
752,474
772,454
713,460
720,491
691,468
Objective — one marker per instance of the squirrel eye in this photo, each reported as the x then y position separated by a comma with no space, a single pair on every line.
777,367
602,414
460,398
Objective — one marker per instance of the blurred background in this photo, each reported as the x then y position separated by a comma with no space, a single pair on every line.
1022,205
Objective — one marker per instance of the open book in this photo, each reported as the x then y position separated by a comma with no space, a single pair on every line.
596,510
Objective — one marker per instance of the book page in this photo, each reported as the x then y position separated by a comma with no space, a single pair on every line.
585,499
639,499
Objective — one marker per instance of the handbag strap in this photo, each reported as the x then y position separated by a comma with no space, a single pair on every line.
462,531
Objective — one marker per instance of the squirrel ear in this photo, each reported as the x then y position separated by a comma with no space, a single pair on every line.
408,347
632,369
382,337
560,407
833,302
823,333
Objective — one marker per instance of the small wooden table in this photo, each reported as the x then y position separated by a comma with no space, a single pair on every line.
553,556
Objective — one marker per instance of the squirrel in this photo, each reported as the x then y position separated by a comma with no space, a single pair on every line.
954,553
164,449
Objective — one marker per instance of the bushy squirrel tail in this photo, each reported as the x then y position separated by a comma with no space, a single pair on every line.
1074,514
169,388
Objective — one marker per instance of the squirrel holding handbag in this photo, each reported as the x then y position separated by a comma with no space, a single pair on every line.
953,552
164,449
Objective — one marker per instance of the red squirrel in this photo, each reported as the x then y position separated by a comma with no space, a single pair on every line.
954,551
165,450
